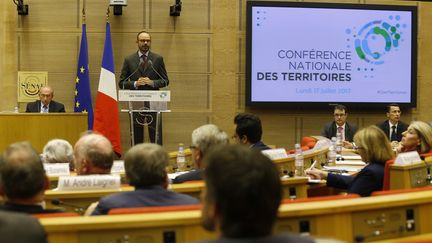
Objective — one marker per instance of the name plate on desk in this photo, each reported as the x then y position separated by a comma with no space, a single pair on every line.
273,154
118,167
408,158
145,95
88,182
57,169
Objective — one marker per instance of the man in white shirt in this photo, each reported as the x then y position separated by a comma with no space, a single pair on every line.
339,124
393,127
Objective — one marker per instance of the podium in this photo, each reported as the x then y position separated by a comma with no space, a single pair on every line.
157,103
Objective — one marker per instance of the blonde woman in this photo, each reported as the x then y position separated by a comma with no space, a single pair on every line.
418,137
374,148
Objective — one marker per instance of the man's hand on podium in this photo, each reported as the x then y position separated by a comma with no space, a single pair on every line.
144,81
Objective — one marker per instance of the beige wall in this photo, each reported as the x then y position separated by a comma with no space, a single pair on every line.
204,51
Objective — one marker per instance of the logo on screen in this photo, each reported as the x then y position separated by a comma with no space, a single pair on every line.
377,39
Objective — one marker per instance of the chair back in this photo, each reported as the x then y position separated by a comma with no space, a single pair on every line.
398,191
386,180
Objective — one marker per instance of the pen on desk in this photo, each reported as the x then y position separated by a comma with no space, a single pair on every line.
313,165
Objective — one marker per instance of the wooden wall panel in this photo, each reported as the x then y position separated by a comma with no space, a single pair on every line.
190,92
195,16
48,14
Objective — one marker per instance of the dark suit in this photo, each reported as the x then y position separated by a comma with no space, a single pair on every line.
20,228
143,197
53,106
193,175
132,63
29,209
269,239
400,128
260,146
330,130
368,180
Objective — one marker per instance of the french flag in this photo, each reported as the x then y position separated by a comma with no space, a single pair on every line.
106,117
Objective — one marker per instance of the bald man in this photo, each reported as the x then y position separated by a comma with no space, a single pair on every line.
45,104
93,155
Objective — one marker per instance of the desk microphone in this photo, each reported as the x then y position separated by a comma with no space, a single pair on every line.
136,70
76,208
165,82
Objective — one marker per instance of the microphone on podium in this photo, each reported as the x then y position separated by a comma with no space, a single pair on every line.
76,208
165,82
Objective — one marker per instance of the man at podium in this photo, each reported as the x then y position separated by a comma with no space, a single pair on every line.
144,70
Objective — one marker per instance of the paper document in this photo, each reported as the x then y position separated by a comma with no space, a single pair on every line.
351,157
350,162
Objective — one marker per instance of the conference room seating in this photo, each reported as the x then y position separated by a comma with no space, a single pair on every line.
371,218
321,198
173,208
400,191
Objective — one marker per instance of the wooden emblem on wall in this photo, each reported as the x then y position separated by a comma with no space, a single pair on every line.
29,84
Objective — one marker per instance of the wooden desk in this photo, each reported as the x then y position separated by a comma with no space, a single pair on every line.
296,186
39,128
341,219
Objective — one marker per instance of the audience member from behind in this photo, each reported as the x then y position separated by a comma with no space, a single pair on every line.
347,130
45,104
58,151
204,138
23,180
21,228
248,131
393,127
145,170
418,137
374,148
93,155
242,196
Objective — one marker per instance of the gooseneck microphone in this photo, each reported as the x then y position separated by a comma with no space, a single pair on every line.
76,208
136,70
165,82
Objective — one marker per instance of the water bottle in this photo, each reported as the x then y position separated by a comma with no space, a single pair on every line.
339,143
299,161
331,155
181,160
16,110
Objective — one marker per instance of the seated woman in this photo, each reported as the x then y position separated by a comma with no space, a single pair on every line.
374,148
58,151
418,137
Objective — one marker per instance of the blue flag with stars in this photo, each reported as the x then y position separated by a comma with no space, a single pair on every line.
83,102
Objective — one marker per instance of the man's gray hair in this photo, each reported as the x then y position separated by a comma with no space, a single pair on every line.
207,136
57,151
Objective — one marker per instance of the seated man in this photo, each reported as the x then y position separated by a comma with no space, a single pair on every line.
23,180
58,151
93,155
248,131
340,125
145,170
242,196
393,127
203,139
20,228
45,104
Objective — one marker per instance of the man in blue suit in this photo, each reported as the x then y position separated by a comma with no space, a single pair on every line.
145,170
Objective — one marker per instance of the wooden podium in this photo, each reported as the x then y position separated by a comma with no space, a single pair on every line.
39,128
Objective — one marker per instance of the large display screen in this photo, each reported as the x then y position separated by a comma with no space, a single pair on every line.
321,53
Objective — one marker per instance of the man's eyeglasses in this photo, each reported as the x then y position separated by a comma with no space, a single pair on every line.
339,115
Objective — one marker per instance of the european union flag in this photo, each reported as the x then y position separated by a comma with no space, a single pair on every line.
83,102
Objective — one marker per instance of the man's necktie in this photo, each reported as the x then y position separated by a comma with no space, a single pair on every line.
45,109
340,130
393,134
